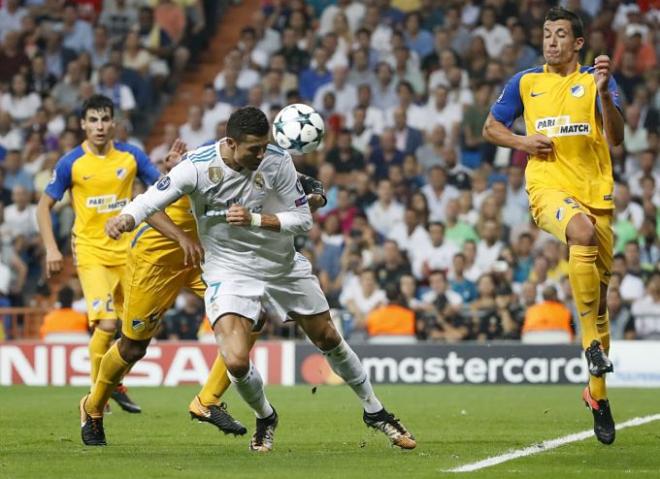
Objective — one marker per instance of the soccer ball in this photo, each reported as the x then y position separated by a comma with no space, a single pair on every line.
298,127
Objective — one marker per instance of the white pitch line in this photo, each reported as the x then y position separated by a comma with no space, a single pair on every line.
547,445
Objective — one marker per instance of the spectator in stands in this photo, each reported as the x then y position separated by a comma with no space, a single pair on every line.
548,321
495,36
193,132
636,43
361,71
384,90
182,321
214,111
490,314
100,50
345,93
314,77
625,208
408,139
118,17
11,15
440,112
230,92
437,255
364,196
56,54
411,235
40,80
361,297
393,265
438,193
443,319
430,153
386,212
19,102
457,231
5,193
393,320
159,43
268,39
11,137
77,33
459,283
627,77
121,95
646,310
621,324
385,154
490,245
64,321
345,158
297,59
632,286
15,174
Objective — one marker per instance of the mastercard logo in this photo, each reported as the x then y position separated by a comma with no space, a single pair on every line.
316,370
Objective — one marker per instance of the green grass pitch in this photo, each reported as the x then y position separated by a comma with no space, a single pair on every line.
322,435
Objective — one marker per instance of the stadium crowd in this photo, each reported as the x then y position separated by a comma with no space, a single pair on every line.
427,232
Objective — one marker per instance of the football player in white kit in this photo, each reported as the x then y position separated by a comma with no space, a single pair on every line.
248,204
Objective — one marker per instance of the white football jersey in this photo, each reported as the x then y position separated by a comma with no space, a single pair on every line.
249,251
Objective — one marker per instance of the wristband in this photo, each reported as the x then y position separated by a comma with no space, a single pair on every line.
256,220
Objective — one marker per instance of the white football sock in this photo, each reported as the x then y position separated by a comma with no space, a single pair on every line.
345,363
251,389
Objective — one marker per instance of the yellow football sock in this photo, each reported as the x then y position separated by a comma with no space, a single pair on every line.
218,381
583,276
113,369
603,325
597,386
98,346
216,384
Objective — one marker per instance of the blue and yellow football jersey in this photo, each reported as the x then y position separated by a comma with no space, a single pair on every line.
152,246
566,109
100,187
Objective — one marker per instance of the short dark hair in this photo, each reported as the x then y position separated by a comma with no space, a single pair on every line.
65,297
247,121
97,102
558,13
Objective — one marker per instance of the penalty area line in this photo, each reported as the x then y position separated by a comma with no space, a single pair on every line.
547,445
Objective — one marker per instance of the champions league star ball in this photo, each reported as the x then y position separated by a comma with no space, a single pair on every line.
299,128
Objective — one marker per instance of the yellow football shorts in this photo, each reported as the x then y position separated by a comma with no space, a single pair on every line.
552,210
150,291
102,288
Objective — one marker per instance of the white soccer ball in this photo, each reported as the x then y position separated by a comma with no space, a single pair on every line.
298,127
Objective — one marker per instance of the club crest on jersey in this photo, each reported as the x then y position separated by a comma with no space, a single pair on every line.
163,183
259,181
137,325
577,91
216,174
121,172
560,213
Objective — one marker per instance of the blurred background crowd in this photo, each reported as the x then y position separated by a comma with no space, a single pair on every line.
427,233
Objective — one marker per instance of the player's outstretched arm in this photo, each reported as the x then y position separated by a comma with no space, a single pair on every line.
53,255
497,133
181,180
192,250
607,91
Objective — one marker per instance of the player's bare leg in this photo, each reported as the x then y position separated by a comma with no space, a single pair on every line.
346,364
233,333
